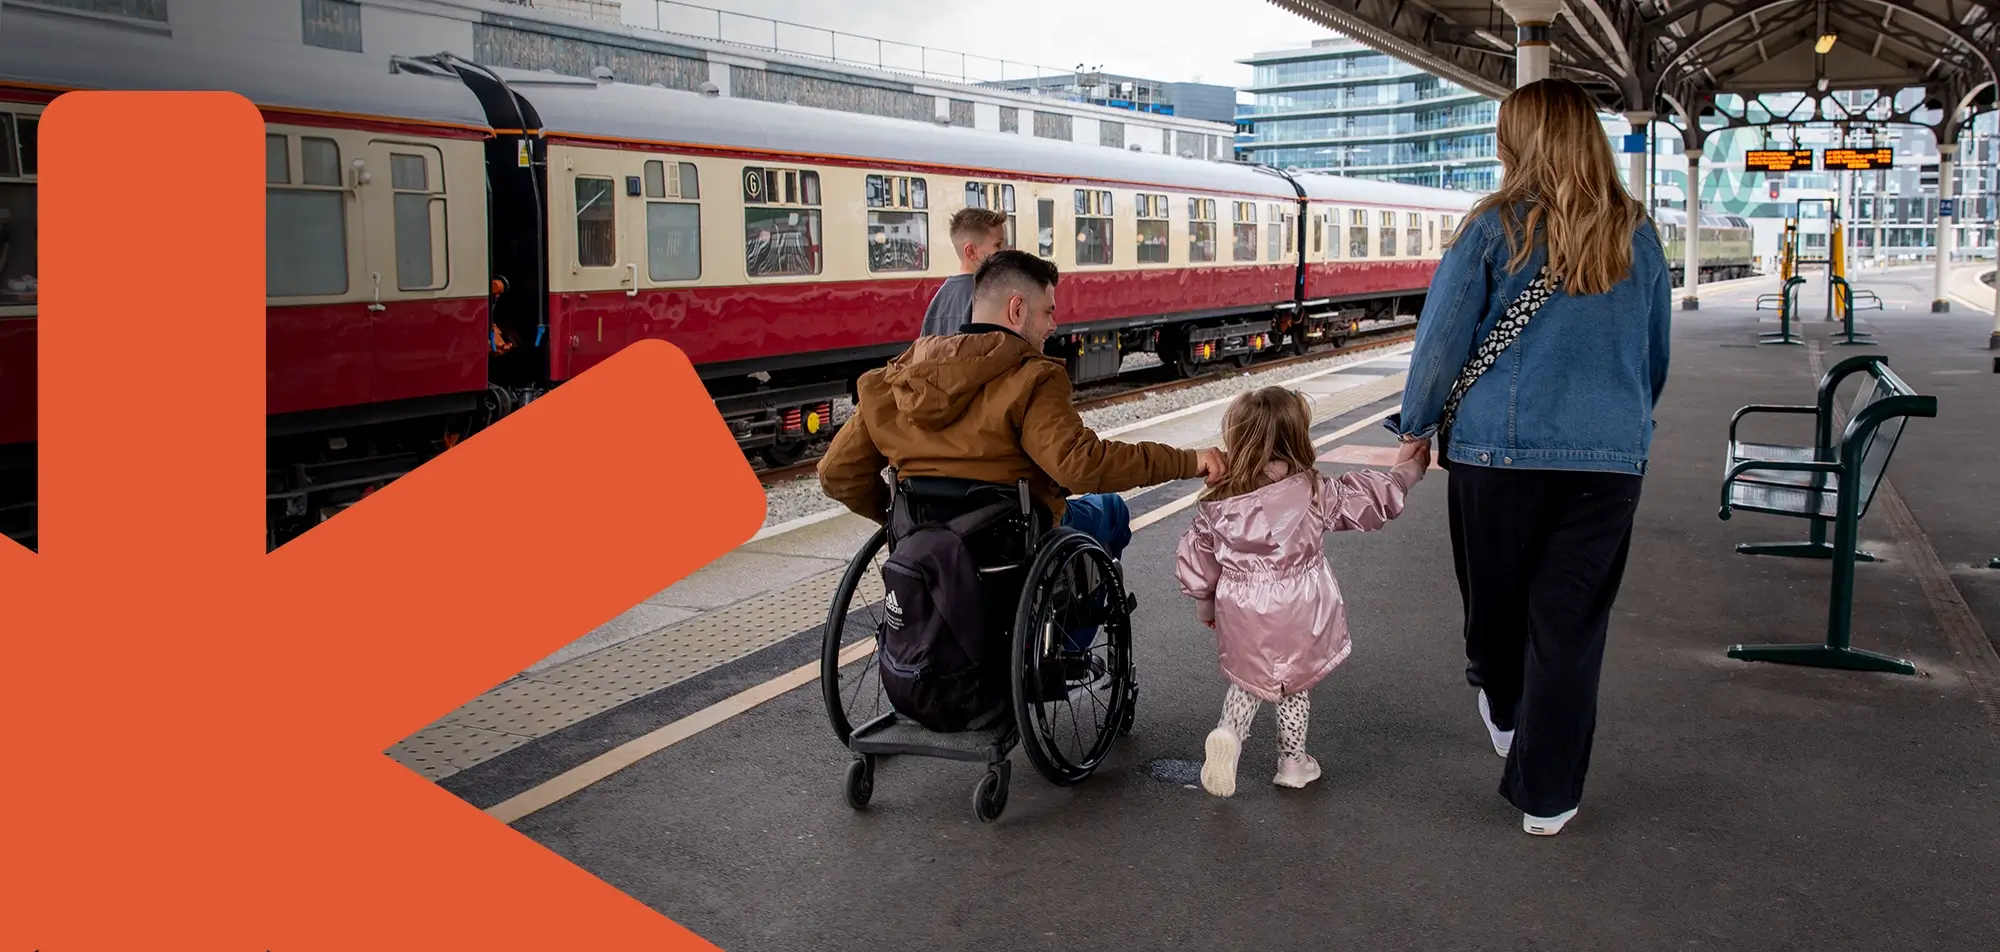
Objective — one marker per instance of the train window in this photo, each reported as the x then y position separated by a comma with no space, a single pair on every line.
305,229
29,141
997,196
781,241
684,183
1045,227
1334,233
418,183
1276,231
1413,233
1357,233
1152,214
673,241
596,223
277,156
1431,231
319,160
17,211
1245,233
1388,249
1093,226
1319,233
900,239
1201,229
1444,227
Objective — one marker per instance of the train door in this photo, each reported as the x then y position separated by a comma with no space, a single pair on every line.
593,266
422,344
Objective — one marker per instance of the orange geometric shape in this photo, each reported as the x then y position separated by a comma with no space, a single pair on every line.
205,768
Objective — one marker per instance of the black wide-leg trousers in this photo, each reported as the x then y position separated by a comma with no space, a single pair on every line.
1540,555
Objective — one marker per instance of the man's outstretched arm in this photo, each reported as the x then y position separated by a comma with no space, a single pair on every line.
1055,437
851,471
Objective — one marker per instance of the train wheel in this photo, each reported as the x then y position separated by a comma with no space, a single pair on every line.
785,454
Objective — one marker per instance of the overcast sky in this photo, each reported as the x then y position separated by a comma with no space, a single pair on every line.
1173,40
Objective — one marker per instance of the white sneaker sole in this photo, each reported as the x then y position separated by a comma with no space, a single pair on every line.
1218,772
1546,825
1503,741
1296,782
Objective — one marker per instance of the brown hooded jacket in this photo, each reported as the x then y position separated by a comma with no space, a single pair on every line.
984,406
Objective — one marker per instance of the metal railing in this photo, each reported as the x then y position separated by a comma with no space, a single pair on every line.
850,49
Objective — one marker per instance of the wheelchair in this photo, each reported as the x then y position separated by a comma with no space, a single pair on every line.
1041,586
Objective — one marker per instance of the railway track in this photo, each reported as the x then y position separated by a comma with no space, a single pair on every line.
806,467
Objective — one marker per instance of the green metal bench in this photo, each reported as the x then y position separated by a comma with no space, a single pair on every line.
1853,299
1787,304
1822,448
1836,484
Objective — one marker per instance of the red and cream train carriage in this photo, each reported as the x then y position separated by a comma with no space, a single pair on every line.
446,241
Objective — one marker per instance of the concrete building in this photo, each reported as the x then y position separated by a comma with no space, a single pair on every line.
581,37
1343,106
1204,101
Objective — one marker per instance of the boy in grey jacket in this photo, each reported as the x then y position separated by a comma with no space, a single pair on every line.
976,233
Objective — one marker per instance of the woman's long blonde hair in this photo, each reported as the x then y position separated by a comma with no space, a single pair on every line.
1558,163
1271,424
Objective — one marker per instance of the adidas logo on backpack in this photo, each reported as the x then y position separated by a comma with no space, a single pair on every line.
895,611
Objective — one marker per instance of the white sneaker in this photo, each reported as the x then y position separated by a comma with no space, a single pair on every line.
1218,772
1546,825
1296,773
1503,741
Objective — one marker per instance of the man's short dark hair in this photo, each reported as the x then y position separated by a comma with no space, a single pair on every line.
971,223
1014,269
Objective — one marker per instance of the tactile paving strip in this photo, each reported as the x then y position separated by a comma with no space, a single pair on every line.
528,707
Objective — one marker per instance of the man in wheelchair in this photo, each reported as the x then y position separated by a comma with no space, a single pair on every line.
987,404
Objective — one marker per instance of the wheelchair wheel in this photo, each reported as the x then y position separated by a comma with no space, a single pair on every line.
989,798
860,781
850,682
1073,589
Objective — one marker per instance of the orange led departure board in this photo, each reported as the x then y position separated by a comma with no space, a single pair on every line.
1857,160
1777,160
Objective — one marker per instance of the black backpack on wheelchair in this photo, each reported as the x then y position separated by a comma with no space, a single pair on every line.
943,659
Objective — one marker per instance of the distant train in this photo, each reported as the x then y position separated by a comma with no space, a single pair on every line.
448,241
1726,244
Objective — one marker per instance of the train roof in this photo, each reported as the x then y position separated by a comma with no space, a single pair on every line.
630,112
1323,186
54,50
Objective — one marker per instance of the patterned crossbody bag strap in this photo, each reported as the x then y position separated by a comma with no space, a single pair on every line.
1502,336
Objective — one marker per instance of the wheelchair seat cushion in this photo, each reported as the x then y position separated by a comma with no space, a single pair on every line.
937,654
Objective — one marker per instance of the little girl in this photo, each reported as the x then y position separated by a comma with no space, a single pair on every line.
1254,562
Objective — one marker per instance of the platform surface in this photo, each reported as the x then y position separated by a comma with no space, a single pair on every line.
1730,805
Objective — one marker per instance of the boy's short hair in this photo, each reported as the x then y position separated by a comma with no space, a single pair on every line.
971,223
1014,269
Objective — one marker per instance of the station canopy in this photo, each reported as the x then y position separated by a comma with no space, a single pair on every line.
1923,59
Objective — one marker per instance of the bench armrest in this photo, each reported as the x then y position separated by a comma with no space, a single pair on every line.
1765,408
1729,478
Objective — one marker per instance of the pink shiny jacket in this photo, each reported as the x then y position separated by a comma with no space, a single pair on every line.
1256,566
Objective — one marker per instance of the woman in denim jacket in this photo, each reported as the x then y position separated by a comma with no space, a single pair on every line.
1548,445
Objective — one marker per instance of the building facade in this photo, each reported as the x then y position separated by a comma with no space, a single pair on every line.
1204,101
1341,106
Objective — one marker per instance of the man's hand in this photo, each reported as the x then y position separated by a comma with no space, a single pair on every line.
1211,463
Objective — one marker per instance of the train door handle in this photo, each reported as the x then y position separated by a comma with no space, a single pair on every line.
377,305
634,290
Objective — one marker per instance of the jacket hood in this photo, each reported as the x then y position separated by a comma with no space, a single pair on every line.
935,380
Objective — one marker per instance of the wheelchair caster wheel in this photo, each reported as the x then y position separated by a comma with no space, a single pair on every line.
860,782
989,799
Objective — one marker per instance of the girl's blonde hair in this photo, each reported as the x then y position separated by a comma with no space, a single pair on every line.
1558,163
1260,427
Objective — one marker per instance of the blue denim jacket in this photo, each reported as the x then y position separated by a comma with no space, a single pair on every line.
1575,392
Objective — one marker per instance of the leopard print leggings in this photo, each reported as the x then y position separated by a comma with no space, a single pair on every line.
1239,708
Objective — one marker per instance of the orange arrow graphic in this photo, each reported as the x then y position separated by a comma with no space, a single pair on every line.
195,728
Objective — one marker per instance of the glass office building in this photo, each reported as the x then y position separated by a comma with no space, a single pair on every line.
1339,105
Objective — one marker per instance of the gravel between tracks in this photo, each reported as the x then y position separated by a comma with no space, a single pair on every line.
799,497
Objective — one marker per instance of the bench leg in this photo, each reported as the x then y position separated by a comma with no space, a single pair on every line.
1823,656
1835,653
1799,550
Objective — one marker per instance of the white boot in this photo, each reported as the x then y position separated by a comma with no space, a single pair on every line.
1546,825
